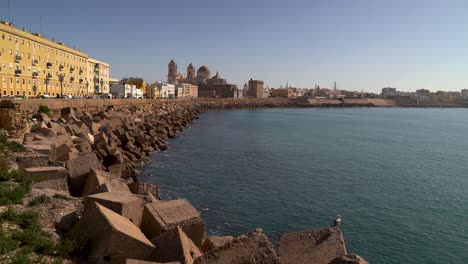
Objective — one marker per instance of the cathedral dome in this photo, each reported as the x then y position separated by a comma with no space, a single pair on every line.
204,70
217,77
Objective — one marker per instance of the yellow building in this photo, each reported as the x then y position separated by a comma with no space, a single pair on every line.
32,65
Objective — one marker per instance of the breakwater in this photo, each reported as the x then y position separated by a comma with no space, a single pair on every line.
93,155
14,113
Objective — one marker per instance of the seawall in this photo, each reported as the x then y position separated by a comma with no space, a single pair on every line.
14,113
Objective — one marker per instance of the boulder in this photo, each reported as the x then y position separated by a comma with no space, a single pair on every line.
78,170
125,204
29,160
213,242
99,181
144,188
84,147
135,261
253,247
349,259
167,215
64,139
41,117
321,246
45,149
110,236
39,125
174,245
66,221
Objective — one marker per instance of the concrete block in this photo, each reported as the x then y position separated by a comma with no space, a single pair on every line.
213,242
135,261
125,204
29,160
43,149
167,215
63,153
349,259
84,147
110,236
322,246
38,126
78,170
144,188
49,177
253,247
99,181
174,245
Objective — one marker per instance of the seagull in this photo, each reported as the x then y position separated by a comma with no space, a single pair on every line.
337,221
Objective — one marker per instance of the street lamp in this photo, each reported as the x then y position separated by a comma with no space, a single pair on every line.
47,83
61,76
102,83
87,88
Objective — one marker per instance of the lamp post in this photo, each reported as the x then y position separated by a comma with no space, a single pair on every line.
102,83
47,84
87,88
61,84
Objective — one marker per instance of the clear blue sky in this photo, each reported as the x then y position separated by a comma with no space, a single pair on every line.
360,44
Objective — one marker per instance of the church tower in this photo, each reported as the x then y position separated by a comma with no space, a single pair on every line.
190,71
172,73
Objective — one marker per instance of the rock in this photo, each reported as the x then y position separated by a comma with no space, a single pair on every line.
125,204
45,149
63,153
28,137
253,247
66,221
78,170
213,242
144,188
41,117
110,236
349,259
64,139
135,261
49,177
99,181
321,246
174,245
84,147
167,215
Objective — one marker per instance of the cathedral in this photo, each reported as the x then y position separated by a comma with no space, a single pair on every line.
208,87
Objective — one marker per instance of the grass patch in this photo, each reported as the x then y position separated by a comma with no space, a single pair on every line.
11,194
41,199
9,145
61,197
44,109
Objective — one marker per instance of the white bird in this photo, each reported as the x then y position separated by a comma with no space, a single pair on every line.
337,221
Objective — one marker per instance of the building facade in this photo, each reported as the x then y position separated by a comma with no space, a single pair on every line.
98,77
32,65
183,90
282,93
121,90
255,89
165,90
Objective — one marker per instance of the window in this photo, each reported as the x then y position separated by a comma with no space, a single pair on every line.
10,52
4,79
3,65
11,80
9,37
24,81
22,42
27,44
3,36
16,40
11,65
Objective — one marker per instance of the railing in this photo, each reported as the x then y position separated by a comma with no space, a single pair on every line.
60,67
49,65
34,62
18,58
35,74
49,76
18,72
72,79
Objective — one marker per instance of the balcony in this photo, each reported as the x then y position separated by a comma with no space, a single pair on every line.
61,68
72,69
81,72
49,76
35,74
34,62
18,58
18,72
49,65
72,79
81,81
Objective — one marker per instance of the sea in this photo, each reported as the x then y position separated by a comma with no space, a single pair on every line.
398,177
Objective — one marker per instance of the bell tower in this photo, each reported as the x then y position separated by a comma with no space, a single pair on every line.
172,72
190,71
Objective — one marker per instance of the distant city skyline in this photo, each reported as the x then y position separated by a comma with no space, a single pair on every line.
362,45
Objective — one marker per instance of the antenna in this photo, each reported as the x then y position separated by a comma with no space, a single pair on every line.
40,24
9,12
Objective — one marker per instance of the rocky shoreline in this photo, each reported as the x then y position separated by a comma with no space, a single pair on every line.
93,156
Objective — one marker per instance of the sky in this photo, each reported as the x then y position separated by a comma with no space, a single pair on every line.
360,44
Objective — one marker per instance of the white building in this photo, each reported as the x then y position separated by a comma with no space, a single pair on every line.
121,90
166,90
97,77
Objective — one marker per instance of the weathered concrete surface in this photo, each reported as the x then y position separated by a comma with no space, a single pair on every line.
111,236
78,170
174,245
99,181
125,204
319,246
253,247
49,177
163,216
213,242
135,261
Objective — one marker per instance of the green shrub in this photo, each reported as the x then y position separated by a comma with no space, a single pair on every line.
61,196
7,244
10,194
69,247
41,199
44,109
10,145
21,257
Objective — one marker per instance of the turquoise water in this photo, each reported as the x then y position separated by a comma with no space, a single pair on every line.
398,177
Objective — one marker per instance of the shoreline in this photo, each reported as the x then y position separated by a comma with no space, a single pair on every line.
94,156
